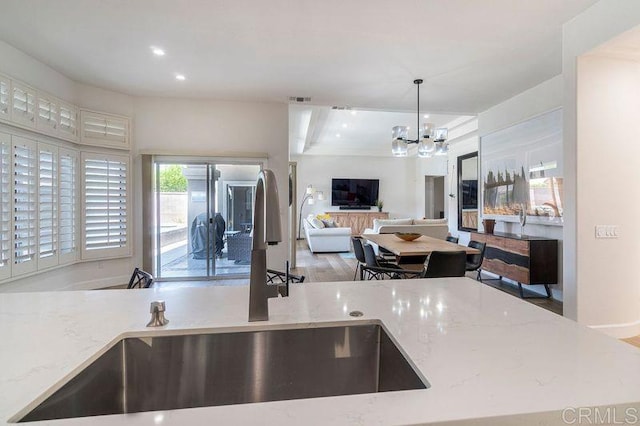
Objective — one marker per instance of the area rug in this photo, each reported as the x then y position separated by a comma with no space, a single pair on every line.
348,255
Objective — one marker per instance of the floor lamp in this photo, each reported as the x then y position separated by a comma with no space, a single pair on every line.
310,194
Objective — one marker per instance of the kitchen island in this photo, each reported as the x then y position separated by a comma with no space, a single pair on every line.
484,353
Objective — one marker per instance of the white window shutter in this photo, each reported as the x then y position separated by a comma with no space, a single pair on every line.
68,127
47,116
23,104
5,206
106,206
24,205
5,97
68,217
102,129
47,206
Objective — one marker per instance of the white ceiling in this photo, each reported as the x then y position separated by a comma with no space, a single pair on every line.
364,53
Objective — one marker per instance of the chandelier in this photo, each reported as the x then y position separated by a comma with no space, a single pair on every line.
431,141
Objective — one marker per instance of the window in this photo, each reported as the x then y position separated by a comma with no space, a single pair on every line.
68,120
4,97
23,105
24,205
5,206
67,206
47,205
47,114
105,215
104,129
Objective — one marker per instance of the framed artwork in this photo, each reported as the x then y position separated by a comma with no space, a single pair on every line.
522,170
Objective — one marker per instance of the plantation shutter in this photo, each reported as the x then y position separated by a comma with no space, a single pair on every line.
47,205
5,96
5,206
104,129
23,102
24,205
47,114
105,217
68,206
68,120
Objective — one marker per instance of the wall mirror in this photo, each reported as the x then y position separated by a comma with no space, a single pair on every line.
468,192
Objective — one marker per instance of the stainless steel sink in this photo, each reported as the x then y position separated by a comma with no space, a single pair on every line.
183,371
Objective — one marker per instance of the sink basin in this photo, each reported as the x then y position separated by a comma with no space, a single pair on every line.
183,371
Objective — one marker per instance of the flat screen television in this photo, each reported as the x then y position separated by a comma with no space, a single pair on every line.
354,192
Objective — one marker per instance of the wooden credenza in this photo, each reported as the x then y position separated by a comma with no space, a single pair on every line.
525,259
357,220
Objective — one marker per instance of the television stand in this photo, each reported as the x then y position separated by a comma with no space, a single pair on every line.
357,221
355,208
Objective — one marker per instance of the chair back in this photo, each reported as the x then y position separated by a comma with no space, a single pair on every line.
474,261
452,239
358,251
446,264
369,255
140,279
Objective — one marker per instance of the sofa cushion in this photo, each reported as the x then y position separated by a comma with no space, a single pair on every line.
328,223
377,223
316,223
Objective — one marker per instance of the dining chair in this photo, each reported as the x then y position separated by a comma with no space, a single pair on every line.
371,260
452,239
446,264
474,261
358,251
140,279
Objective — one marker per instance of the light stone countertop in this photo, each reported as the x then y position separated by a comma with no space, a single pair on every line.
485,353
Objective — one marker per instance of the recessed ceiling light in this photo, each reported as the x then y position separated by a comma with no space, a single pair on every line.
337,135
354,112
426,116
157,51
344,125
180,77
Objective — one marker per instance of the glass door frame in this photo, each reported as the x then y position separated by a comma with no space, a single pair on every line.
210,163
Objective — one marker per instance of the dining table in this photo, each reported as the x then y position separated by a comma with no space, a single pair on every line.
414,253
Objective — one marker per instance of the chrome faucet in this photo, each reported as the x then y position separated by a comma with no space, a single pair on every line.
157,310
266,231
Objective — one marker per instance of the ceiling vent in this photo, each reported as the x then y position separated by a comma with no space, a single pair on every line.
299,99
341,108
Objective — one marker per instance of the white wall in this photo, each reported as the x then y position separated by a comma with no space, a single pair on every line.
607,191
539,99
600,23
397,180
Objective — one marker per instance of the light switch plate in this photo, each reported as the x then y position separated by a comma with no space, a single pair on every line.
606,231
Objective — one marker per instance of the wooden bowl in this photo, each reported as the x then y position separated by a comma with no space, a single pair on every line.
407,236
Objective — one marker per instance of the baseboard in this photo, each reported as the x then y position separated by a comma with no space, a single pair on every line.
619,331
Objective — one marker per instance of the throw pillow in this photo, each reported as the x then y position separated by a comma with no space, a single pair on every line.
324,216
316,223
329,223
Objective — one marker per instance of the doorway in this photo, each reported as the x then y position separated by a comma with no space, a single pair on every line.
434,197
203,219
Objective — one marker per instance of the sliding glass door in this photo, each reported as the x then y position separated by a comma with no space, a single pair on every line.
203,213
